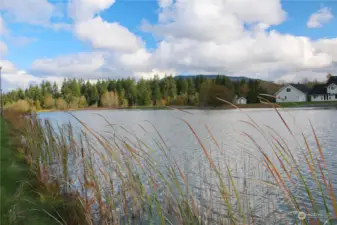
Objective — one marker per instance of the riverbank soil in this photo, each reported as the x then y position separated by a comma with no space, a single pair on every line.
20,201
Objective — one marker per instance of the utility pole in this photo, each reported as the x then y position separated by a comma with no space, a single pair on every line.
2,105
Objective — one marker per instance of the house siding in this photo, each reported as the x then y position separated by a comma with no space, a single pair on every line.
294,95
241,101
320,98
332,89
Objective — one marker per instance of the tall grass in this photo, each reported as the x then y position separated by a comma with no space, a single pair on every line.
123,180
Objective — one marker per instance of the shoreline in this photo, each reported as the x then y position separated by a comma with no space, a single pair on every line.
188,107
171,107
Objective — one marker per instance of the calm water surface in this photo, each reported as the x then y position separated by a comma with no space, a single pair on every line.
233,130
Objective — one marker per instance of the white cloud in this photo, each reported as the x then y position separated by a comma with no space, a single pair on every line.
105,35
165,3
81,10
15,78
233,37
317,19
28,11
223,37
36,12
79,65
328,46
229,37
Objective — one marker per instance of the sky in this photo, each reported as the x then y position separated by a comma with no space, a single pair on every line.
281,41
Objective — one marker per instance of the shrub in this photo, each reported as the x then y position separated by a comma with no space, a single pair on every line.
82,102
48,102
61,104
181,100
109,99
74,103
20,106
162,102
37,105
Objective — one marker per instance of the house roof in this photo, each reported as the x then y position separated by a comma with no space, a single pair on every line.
321,89
332,80
300,87
240,98
318,89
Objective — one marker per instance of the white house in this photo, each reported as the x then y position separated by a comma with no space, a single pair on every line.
292,93
241,101
325,92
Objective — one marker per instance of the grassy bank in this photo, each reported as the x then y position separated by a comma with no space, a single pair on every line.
308,104
108,178
20,204
25,200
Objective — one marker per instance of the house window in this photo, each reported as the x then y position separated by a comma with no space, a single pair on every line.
288,89
285,97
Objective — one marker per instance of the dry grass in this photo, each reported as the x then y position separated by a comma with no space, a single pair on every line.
119,180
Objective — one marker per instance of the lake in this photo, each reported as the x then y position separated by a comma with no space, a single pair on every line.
240,137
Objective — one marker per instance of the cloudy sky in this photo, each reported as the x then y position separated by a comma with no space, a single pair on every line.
94,39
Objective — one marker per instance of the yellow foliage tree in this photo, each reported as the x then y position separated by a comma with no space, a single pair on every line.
61,104
109,99
48,102
83,102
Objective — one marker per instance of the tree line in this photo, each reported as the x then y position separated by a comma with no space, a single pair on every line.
78,93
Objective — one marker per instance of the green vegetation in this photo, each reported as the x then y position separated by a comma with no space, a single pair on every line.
119,180
25,200
74,94
19,202
295,104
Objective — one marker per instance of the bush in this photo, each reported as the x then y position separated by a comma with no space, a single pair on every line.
74,103
20,106
37,105
48,102
83,102
109,99
61,104
181,100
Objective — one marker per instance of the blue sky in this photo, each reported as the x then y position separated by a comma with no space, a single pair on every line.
142,38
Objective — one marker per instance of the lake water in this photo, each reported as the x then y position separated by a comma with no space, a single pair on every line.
235,131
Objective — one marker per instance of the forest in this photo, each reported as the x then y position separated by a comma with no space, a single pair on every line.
115,93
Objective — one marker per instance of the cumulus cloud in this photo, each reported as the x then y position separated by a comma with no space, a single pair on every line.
95,65
223,37
82,65
105,35
14,78
81,10
36,12
228,37
317,19
209,37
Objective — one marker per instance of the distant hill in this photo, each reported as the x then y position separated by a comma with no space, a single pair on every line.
269,86
213,77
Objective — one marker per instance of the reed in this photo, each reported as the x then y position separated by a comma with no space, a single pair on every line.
112,179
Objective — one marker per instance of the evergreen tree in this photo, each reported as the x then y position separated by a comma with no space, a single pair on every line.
144,93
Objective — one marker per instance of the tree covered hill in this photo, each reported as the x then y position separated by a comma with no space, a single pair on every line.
186,90
232,78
